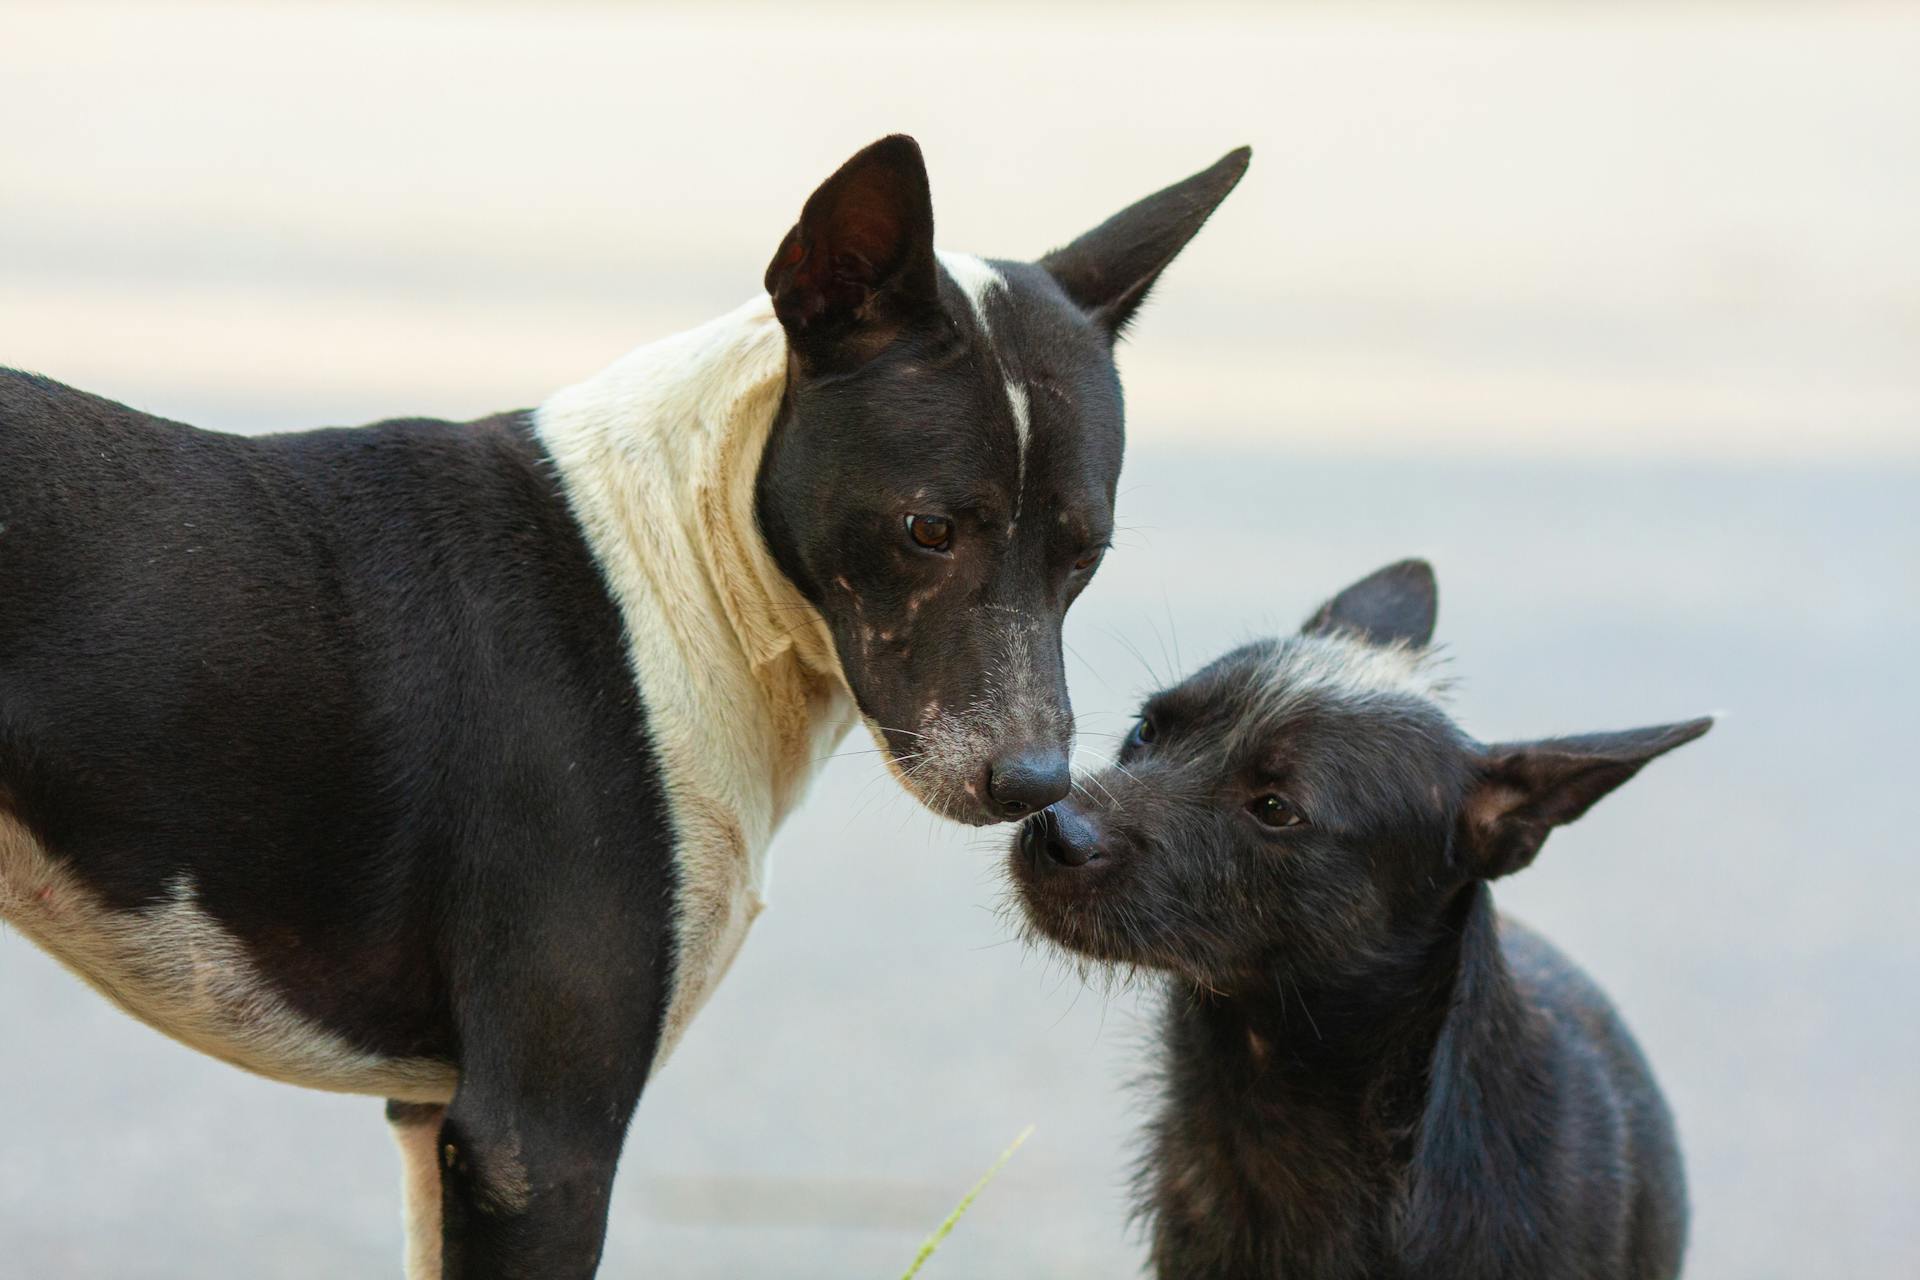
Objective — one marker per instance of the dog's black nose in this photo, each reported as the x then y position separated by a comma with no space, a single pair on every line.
1028,781
1061,836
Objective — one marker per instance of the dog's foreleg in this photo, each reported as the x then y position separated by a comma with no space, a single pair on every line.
529,1177
416,1130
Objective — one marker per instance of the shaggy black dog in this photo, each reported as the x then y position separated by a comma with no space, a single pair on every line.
1368,1072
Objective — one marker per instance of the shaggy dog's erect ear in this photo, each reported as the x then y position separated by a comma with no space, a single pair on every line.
1526,789
1396,604
859,265
1108,271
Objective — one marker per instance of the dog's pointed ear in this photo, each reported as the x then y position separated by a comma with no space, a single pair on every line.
1394,605
1522,791
1108,271
859,265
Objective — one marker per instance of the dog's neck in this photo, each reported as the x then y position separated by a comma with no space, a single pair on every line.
672,435
743,689
1321,1113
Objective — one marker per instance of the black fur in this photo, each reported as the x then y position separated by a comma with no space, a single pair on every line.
1109,270
366,691
1366,1072
898,408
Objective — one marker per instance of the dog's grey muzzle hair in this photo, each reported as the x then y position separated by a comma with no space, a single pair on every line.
1004,753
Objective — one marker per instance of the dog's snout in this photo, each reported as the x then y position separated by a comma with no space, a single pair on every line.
1061,836
1035,832
1028,781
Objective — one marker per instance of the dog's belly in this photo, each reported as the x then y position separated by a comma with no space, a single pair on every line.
175,968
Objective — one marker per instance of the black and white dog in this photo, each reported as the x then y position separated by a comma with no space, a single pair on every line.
439,761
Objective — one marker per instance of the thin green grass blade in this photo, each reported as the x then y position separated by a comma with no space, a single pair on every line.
945,1229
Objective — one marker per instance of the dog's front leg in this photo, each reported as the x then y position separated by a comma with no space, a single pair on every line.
526,1178
556,1043
416,1130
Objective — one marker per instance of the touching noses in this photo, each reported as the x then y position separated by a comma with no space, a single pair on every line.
1061,836
1024,782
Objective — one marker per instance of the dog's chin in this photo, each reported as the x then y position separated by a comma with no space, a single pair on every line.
1094,929
1100,952
954,804
947,796
1072,921
934,788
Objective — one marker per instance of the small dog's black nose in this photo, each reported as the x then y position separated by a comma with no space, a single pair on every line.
1062,836
1028,781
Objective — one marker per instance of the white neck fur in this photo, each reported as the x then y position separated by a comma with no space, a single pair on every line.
744,692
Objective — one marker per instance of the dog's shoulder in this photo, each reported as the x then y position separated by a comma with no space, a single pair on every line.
48,426
1615,1139
27,397
1580,1017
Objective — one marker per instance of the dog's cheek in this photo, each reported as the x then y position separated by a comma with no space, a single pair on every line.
1075,926
1158,892
1227,897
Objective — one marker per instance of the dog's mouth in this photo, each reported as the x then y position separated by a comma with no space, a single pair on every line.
1090,926
956,794
1098,928
1078,890
1067,899
954,771
957,801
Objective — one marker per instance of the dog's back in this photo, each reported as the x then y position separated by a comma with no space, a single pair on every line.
1614,1158
1545,1149
222,673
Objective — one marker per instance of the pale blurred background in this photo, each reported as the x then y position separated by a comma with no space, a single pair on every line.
1613,311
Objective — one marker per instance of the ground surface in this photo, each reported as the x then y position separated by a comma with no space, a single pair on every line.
1613,315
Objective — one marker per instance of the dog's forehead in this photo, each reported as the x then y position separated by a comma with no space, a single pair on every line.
1343,668
1315,695
1053,366
1019,311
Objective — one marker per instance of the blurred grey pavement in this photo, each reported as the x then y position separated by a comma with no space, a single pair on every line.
1613,313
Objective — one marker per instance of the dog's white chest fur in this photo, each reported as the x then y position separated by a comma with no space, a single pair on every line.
744,696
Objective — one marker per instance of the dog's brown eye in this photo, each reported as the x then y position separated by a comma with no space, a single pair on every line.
935,533
1087,561
1275,812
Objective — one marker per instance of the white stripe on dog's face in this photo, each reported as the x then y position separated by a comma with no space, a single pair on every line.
173,967
977,279
1023,432
1022,422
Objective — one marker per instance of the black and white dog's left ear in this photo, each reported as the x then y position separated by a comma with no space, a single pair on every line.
1397,604
859,264
1523,790
1108,271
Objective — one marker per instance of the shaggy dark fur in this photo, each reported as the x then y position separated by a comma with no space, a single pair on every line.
1367,1072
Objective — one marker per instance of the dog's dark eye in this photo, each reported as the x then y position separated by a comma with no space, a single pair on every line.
1272,811
935,533
1090,559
